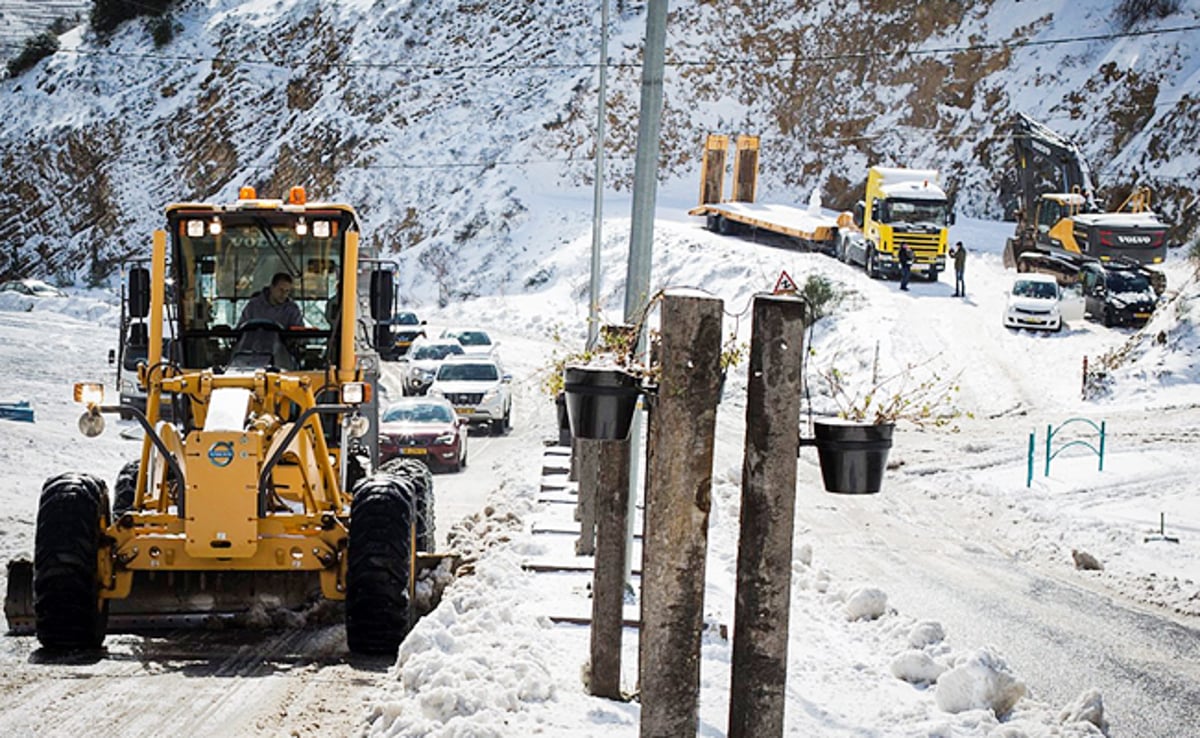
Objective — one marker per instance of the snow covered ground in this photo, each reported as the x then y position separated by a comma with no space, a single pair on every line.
490,662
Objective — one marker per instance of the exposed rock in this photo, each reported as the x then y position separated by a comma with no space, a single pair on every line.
1085,561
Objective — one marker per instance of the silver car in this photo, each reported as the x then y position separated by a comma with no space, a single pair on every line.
422,362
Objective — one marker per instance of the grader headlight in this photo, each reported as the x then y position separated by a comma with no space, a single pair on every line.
89,393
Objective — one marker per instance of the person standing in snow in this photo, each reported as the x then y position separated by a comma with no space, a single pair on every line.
960,266
906,260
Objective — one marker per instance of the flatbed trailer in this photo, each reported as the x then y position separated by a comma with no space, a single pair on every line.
814,232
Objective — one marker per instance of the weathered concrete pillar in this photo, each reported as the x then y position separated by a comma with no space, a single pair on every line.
764,565
608,579
588,453
678,499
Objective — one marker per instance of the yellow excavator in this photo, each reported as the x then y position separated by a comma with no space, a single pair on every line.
261,490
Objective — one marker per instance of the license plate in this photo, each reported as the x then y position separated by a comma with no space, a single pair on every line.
464,410
412,451
1141,315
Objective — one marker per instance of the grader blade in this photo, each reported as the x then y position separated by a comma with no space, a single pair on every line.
161,600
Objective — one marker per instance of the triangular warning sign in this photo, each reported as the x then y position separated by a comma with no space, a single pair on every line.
784,285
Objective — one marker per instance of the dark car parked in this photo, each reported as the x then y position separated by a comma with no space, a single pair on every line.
1117,294
403,330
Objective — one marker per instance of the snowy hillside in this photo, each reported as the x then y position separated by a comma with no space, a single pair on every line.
444,122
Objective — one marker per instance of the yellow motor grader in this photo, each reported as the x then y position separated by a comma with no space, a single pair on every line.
261,489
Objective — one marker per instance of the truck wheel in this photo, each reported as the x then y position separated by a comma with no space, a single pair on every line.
872,267
1109,321
68,609
126,487
933,274
379,566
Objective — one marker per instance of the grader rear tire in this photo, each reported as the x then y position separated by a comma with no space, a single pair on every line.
378,605
68,610
125,488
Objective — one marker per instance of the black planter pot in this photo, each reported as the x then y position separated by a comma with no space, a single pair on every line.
600,401
564,424
853,456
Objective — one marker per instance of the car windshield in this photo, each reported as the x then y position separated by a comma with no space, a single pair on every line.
437,352
473,338
468,373
1127,282
425,412
405,319
1040,290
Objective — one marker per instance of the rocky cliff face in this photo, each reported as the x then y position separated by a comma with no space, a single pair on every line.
433,118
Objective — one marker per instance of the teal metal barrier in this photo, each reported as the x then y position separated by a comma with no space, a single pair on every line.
1051,452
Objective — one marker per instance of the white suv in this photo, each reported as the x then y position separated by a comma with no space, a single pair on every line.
479,390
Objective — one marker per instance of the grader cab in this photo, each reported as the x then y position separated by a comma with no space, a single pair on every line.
262,488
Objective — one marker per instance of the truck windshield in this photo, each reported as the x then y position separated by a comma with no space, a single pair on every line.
217,274
932,212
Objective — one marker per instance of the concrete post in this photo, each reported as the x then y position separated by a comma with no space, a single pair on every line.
764,564
608,580
589,453
680,444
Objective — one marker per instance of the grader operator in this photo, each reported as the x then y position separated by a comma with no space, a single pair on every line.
262,487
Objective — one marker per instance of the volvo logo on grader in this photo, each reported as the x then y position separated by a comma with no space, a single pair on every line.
221,453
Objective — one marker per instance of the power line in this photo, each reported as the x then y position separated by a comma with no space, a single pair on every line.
727,62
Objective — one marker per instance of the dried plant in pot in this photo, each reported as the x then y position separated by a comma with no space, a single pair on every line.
853,447
600,387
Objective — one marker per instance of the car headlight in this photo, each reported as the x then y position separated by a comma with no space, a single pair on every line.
1119,303
419,373
436,392
445,439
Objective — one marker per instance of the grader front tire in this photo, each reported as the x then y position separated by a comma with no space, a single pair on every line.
378,606
68,610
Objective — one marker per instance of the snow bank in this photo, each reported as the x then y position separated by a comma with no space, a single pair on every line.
979,680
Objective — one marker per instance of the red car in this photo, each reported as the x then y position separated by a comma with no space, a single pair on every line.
425,428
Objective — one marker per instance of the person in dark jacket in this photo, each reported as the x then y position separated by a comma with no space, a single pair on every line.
906,260
275,303
959,252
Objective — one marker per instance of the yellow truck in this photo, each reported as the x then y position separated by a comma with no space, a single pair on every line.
900,206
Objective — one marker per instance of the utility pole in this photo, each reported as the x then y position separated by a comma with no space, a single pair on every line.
645,172
598,193
641,232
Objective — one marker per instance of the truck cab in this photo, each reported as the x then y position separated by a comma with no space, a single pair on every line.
903,206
